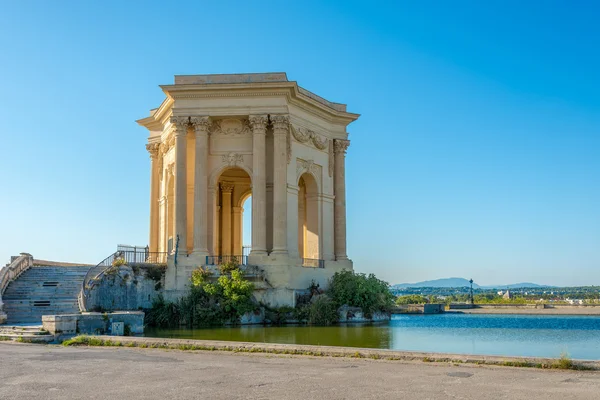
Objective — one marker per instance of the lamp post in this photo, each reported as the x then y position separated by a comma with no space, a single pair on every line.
471,282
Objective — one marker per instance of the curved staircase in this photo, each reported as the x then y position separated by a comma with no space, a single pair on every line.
43,290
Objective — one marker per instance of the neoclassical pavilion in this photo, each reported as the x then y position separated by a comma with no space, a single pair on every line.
218,139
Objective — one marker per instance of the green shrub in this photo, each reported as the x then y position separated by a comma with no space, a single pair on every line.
117,262
278,315
411,299
322,311
200,276
229,267
206,303
360,290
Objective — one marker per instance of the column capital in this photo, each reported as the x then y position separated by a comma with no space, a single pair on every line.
181,124
258,123
227,187
340,146
281,123
153,149
201,124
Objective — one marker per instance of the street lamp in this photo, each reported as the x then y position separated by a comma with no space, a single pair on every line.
471,282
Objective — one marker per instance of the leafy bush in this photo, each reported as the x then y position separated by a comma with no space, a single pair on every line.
411,299
322,311
163,314
360,290
206,303
117,262
278,315
229,266
200,276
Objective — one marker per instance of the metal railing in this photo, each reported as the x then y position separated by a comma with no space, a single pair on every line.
313,263
95,273
218,260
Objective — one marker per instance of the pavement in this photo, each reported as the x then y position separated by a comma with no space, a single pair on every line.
53,372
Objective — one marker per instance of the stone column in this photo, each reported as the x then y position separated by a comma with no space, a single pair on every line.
226,190
201,126
153,149
280,136
339,183
259,184
237,231
181,126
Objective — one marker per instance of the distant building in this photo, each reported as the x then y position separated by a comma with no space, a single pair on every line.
507,295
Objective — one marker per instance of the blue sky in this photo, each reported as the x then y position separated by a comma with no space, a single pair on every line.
476,155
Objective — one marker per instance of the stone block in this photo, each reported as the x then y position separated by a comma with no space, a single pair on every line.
60,324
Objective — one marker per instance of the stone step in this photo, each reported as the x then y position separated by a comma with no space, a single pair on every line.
43,290
46,338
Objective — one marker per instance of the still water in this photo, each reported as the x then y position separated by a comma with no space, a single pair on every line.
509,335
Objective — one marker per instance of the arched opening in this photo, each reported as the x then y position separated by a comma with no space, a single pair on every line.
308,219
233,190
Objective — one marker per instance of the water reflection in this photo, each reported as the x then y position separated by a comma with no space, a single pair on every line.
373,336
511,335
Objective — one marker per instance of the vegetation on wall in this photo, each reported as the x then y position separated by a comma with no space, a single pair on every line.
227,299
206,303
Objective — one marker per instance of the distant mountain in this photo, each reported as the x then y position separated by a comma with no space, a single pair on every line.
462,282
515,286
442,283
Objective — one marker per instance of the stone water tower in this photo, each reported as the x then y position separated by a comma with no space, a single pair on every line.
218,139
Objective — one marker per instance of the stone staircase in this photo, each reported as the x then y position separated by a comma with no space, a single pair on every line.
29,333
43,290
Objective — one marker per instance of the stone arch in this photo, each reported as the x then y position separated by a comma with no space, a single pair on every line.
232,184
309,167
309,218
244,197
217,172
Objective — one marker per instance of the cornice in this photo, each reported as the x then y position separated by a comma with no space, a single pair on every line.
295,95
290,90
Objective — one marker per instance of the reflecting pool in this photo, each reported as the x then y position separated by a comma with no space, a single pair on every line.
508,335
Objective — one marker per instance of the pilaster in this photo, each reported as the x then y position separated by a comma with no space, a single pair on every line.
258,123
201,127
281,126
153,149
339,181
181,126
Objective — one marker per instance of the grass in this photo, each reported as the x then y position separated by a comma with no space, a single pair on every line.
564,362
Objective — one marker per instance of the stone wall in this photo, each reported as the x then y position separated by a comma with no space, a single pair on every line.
128,287
355,314
93,323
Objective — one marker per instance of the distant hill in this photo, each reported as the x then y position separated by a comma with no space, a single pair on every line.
462,282
515,286
445,283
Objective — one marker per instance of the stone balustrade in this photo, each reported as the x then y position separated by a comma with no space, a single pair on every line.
9,273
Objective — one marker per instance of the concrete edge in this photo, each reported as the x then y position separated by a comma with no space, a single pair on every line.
334,351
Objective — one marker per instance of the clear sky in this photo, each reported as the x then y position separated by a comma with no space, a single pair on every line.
477,153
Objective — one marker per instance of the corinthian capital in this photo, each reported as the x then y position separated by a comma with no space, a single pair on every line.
201,125
227,187
258,123
153,149
340,145
281,123
180,124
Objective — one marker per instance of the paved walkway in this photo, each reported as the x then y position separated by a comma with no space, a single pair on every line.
53,372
